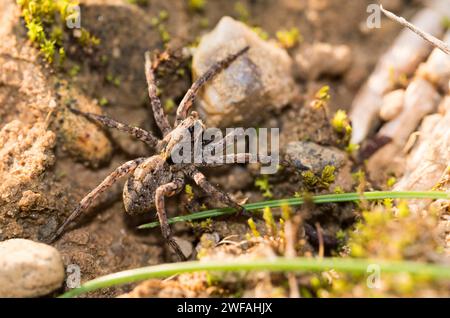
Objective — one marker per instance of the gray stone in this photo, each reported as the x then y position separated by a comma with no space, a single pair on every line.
306,155
249,88
29,269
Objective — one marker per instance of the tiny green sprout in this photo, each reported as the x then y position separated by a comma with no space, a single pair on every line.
253,229
289,38
35,31
263,184
286,212
163,15
154,21
189,192
62,55
321,97
261,33
138,2
327,177
341,124
338,189
115,80
388,204
204,23
48,50
391,181
163,33
269,220
197,5
74,70
403,209
310,180
241,11
103,101
351,148
87,39
446,23
169,105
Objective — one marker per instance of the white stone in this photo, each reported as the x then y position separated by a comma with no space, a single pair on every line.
29,269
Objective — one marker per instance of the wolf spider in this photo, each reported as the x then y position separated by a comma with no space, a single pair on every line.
154,178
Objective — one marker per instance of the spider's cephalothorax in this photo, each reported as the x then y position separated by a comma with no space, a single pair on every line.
154,178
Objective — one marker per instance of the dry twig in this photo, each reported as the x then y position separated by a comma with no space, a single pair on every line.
426,36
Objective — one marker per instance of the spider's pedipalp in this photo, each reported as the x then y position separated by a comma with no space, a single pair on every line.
158,111
136,132
86,202
167,190
188,99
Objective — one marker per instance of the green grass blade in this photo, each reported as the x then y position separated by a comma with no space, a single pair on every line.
299,264
318,199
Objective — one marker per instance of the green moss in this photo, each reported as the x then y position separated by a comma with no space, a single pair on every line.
169,105
253,228
446,23
103,101
263,184
271,226
261,33
322,97
241,11
189,192
115,80
197,5
313,182
341,125
47,29
158,22
289,38
74,70
139,2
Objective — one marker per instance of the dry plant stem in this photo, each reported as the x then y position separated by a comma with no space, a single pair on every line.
290,232
427,37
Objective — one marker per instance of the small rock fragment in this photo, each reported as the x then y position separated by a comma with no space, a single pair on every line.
306,155
186,247
421,99
323,59
392,104
81,137
250,87
29,269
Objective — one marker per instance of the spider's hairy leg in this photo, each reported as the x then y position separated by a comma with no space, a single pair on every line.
167,190
188,99
233,158
86,202
158,111
225,141
136,132
217,194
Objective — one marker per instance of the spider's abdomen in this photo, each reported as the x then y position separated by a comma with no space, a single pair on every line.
139,190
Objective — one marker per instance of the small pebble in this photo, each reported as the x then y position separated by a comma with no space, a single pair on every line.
29,269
